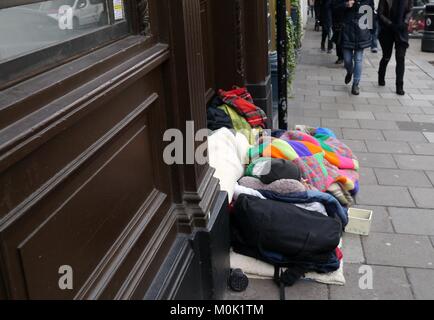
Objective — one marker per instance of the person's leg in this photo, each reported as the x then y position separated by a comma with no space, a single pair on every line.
348,63
374,42
358,67
323,37
330,42
339,50
386,42
400,51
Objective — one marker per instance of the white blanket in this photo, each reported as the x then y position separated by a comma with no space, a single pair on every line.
227,155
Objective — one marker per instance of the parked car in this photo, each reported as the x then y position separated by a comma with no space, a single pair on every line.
417,22
84,12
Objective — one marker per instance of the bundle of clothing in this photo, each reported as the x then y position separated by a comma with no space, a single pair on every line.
325,162
279,218
289,192
235,110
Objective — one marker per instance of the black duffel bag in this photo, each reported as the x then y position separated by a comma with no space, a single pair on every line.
262,226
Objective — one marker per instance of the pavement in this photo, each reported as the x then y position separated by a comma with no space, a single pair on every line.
393,137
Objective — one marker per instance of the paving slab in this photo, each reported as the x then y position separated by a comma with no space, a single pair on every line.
352,248
428,110
364,134
424,197
356,115
378,124
415,126
341,123
389,283
320,113
355,145
415,162
336,106
320,99
376,160
410,178
313,122
429,136
370,107
400,250
422,282
367,176
413,221
307,290
391,116
423,148
302,104
389,147
406,110
385,196
406,136
422,118
383,101
430,175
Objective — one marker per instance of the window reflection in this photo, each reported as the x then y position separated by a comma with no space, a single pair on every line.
29,28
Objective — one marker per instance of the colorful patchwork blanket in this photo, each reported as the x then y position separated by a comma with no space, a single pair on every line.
322,158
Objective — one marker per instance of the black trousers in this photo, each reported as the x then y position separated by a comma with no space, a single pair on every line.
387,41
337,39
326,34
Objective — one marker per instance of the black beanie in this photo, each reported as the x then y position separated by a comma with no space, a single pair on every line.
281,169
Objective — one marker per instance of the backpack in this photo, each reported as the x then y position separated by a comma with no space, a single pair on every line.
285,236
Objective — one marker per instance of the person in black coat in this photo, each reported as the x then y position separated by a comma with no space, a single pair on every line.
317,8
356,37
326,23
338,27
394,16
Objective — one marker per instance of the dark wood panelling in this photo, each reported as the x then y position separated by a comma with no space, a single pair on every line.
208,48
112,188
228,25
96,196
199,188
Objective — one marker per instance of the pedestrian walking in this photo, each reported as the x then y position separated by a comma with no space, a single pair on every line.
356,38
394,16
375,29
338,27
311,9
326,23
317,8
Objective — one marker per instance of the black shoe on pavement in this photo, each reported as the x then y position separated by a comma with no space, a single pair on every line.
348,78
339,61
381,79
355,90
400,89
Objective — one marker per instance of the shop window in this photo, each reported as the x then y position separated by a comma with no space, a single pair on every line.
36,35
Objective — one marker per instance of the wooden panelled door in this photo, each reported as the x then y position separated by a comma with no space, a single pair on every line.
83,187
